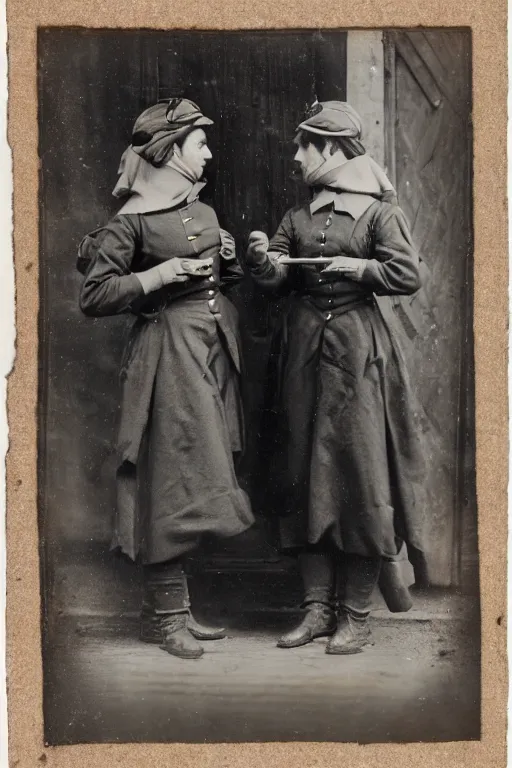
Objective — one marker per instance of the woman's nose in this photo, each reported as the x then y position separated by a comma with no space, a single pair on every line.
207,154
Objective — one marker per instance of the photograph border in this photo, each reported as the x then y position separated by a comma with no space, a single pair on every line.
488,25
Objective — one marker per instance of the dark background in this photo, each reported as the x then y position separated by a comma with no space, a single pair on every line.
256,86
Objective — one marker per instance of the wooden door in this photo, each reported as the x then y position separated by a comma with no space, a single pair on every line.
256,86
428,105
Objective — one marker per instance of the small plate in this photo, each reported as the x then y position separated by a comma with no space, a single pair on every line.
319,260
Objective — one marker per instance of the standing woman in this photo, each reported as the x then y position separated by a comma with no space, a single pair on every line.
164,260
351,466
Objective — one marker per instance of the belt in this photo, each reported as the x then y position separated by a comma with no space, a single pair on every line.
331,311
166,298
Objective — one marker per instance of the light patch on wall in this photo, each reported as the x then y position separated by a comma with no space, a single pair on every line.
365,86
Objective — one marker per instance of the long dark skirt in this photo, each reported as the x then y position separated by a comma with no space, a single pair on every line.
188,489
349,463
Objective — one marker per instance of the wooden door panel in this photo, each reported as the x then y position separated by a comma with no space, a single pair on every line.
431,123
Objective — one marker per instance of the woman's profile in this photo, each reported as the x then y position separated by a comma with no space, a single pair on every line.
164,259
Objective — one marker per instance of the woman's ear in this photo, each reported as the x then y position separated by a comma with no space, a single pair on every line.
328,149
332,147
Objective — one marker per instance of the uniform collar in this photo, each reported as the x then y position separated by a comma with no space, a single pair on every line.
354,204
351,186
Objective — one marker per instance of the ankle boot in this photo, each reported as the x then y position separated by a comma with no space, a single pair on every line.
177,640
165,598
319,621
150,625
352,635
203,632
360,576
151,628
318,571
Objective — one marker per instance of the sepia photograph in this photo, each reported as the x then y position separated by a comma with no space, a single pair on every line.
257,498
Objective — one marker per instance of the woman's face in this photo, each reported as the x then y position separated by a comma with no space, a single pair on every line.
309,157
195,151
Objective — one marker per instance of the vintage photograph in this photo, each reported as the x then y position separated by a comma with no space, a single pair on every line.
256,441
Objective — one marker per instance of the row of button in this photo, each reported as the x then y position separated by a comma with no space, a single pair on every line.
323,236
190,238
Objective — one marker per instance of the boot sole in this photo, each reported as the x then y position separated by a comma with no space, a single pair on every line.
305,642
194,655
346,652
152,640
199,636
349,651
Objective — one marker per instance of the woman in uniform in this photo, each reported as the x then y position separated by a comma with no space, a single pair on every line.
164,260
349,470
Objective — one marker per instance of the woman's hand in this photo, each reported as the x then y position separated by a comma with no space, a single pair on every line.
227,245
170,271
347,265
196,267
257,249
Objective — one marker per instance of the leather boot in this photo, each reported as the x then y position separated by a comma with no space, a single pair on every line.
164,594
201,631
150,625
165,610
177,640
169,576
360,576
352,635
151,628
318,570
319,621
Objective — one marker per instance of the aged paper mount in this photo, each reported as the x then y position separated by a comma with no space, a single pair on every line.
488,24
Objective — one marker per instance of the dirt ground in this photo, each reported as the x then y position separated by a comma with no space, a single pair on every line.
419,682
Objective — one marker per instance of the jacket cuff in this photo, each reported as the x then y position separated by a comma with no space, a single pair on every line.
261,270
361,272
151,280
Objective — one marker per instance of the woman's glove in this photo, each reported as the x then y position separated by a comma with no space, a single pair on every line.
257,249
348,266
197,267
173,271
227,246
